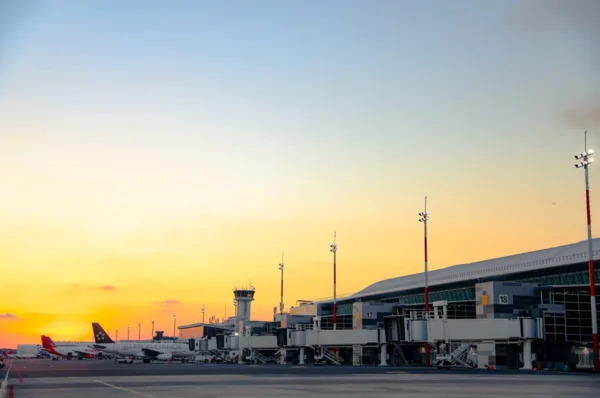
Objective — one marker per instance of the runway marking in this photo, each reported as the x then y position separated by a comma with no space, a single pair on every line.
126,389
397,372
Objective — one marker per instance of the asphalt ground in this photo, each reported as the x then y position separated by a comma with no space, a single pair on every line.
70,379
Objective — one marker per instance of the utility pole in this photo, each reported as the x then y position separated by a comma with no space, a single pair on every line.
333,249
174,323
281,300
585,161
424,218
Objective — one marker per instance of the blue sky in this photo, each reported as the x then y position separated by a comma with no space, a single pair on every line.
334,95
270,96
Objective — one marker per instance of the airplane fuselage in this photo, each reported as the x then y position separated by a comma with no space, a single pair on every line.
137,349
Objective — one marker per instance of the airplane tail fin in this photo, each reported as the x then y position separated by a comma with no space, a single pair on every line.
100,335
47,342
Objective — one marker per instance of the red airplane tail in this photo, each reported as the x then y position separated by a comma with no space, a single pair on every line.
48,345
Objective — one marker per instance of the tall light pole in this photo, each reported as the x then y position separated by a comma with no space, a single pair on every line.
139,330
174,323
203,315
584,161
127,332
424,218
117,336
152,329
281,301
333,249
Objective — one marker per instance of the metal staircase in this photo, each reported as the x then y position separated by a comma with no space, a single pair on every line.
458,356
334,359
260,357
400,352
402,356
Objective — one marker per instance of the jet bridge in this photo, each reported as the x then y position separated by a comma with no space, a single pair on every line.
435,326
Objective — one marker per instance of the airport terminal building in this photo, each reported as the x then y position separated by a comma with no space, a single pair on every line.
498,312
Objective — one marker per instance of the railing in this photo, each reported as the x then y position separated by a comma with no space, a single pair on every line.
304,326
458,356
422,315
334,359
259,357
401,353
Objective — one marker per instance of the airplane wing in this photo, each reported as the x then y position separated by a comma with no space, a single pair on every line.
80,353
151,353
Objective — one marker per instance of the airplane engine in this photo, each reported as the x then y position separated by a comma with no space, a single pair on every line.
163,357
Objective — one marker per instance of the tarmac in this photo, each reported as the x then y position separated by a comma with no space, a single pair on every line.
90,378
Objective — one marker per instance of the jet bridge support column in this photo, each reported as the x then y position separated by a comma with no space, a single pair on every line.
282,356
526,354
383,355
301,356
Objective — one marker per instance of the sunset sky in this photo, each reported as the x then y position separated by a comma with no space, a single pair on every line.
156,154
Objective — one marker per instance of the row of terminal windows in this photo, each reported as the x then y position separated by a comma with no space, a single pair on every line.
464,294
505,268
574,278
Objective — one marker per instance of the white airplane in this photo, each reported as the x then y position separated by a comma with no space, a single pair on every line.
19,356
68,350
148,351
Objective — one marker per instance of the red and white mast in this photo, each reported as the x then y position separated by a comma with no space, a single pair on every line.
585,161
424,218
281,300
333,249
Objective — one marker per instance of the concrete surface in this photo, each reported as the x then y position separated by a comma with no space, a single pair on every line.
70,379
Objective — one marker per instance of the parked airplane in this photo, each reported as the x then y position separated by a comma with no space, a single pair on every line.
148,351
69,350
13,355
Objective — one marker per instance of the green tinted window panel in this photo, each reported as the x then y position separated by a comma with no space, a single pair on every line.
345,309
579,278
571,279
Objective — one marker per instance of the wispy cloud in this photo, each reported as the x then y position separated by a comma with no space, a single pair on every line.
543,19
107,288
8,316
170,302
583,117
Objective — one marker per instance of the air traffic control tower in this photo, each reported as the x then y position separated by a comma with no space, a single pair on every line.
244,299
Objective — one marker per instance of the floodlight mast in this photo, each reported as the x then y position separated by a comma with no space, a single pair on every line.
424,218
333,249
281,302
585,161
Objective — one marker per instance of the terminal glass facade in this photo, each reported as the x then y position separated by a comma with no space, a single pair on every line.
576,300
